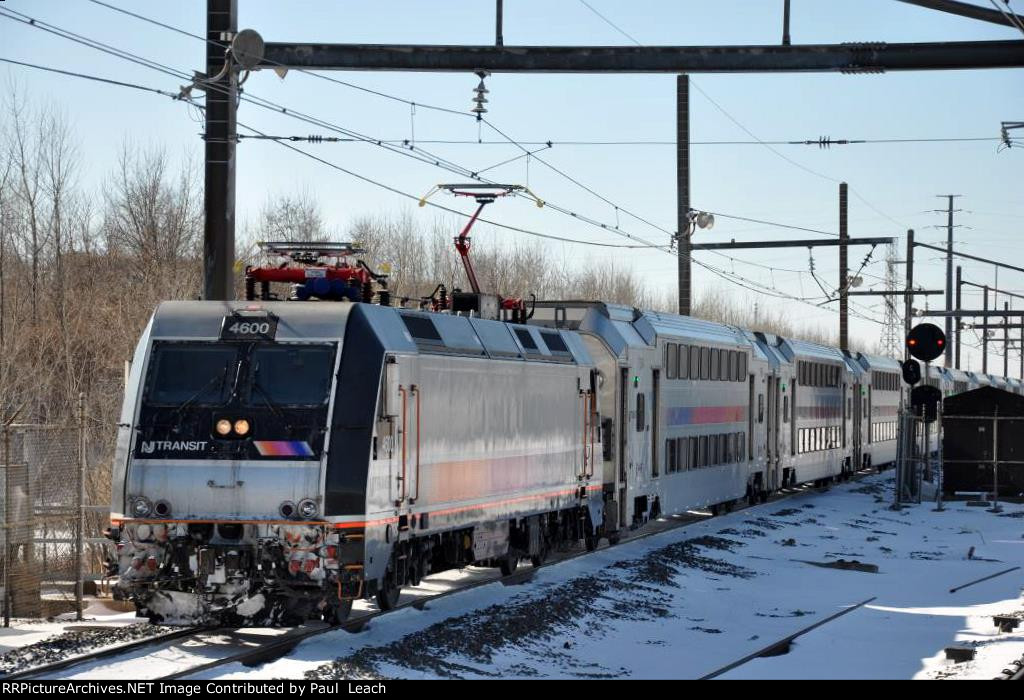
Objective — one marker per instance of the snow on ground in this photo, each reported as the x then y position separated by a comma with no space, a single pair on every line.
33,642
686,602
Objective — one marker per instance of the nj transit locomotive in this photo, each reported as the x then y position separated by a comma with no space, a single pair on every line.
277,460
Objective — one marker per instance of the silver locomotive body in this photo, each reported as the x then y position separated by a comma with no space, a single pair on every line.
281,474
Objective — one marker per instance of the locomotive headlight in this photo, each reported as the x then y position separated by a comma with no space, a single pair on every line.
223,426
241,427
141,507
308,508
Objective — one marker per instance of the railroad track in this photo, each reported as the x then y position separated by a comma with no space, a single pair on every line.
41,671
274,648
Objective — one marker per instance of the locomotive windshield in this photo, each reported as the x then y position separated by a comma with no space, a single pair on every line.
257,374
292,375
191,373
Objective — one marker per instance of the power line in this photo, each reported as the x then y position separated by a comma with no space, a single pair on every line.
751,134
267,104
95,78
641,142
509,139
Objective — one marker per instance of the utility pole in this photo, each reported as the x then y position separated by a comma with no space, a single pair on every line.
908,302
1006,341
785,23
221,134
984,339
959,319
844,282
949,274
948,356
499,39
683,231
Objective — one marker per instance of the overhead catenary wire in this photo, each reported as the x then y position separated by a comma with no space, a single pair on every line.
615,229
747,131
508,139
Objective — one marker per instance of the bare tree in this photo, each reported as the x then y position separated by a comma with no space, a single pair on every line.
291,217
147,215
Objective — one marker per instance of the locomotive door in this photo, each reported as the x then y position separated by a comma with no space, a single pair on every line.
390,427
772,461
857,414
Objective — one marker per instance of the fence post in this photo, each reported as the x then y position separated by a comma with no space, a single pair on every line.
80,533
995,464
940,466
7,523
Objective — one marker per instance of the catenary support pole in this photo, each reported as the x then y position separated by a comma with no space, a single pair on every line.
221,134
844,282
683,231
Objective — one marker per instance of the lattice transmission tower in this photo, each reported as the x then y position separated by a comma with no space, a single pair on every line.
891,344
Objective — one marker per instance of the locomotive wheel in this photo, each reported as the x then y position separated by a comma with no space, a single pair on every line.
539,558
509,563
388,592
341,611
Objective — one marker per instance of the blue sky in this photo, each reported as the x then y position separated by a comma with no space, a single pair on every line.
894,184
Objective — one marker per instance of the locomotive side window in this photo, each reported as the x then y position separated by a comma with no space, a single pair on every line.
743,367
293,375
526,339
193,372
421,328
554,342
684,362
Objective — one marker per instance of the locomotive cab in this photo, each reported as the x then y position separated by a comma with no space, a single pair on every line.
219,500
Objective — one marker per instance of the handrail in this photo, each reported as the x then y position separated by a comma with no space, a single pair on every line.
404,393
416,392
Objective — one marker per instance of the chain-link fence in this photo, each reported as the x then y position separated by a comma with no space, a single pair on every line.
48,528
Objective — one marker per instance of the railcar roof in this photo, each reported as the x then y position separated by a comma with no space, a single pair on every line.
690,328
296,321
878,362
803,349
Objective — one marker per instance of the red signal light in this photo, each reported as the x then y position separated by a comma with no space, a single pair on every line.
940,342
912,341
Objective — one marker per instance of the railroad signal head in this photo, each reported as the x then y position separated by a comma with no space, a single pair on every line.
911,372
926,341
924,401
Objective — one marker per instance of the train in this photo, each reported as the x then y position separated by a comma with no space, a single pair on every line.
277,460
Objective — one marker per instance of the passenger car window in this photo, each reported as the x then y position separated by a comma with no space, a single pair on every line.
684,362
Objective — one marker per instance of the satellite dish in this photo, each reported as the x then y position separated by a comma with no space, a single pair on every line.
247,47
